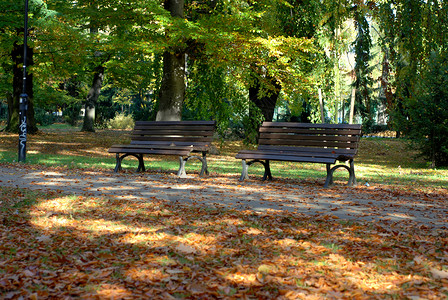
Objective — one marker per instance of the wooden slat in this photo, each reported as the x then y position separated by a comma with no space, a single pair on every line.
185,128
310,131
168,132
341,138
169,143
310,125
343,151
150,151
287,153
249,154
174,139
151,146
264,156
309,143
176,123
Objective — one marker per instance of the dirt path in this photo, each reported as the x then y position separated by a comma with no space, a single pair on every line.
364,204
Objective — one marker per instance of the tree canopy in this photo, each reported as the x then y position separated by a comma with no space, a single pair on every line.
235,61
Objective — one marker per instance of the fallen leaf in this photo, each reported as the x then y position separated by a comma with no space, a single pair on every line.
439,274
185,249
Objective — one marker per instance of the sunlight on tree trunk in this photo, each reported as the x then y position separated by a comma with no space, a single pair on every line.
91,100
172,90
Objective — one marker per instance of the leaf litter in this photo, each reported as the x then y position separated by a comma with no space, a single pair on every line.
56,246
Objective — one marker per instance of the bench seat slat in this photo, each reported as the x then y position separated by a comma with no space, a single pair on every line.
188,124
282,130
169,132
151,151
338,156
137,146
335,138
277,157
311,125
310,143
308,149
172,138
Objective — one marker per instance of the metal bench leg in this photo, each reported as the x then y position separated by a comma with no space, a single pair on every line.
141,164
118,165
182,173
329,180
244,171
351,171
204,169
267,170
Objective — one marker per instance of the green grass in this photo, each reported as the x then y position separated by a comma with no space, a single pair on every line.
379,161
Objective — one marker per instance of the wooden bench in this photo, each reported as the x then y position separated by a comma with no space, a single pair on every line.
180,138
304,142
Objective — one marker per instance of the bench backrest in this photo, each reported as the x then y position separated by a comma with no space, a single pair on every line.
313,136
198,134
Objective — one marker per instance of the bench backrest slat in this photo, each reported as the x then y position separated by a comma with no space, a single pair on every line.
181,133
335,136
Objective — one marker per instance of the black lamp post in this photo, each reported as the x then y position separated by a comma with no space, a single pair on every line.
23,103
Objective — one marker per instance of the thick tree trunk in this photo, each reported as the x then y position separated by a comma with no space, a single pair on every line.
265,98
13,100
91,100
172,89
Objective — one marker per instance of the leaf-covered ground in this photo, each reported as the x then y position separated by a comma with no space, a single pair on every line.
54,246
57,246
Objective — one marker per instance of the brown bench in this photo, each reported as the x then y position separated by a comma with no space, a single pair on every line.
304,142
180,138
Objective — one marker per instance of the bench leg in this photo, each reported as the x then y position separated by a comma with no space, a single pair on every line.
141,164
352,178
267,170
351,172
183,161
329,180
182,173
244,171
118,164
204,169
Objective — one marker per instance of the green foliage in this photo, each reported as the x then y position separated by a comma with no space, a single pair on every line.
121,121
43,117
211,95
365,104
427,109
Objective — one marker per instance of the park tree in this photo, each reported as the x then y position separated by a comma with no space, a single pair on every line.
113,38
364,102
11,56
172,89
246,40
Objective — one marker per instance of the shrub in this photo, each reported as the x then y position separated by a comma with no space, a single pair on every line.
121,121
43,117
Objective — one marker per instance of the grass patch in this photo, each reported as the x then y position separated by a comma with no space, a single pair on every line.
379,161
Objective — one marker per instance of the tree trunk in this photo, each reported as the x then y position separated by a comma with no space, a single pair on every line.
265,98
172,89
17,84
91,100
